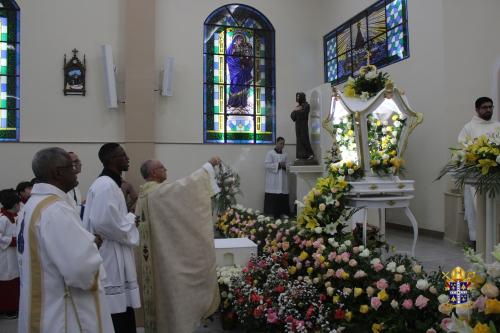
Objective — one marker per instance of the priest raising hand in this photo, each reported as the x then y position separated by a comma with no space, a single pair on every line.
178,261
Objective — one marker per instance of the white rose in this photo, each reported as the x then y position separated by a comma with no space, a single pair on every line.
393,141
400,269
371,75
433,290
394,304
347,243
397,123
342,248
422,284
361,248
462,311
385,157
443,299
375,261
350,171
417,269
329,291
365,253
318,230
315,280
391,267
493,270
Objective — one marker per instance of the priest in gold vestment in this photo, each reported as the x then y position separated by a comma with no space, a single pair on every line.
179,281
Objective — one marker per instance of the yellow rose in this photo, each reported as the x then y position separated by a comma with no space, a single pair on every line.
349,164
349,91
358,291
292,270
491,306
395,117
348,316
364,308
345,275
303,255
481,328
310,270
382,295
336,299
377,328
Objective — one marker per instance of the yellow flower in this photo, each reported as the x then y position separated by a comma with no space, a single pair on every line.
481,328
349,91
345,275
491,306
310,270
303,256
485,165
470,158
477,280
348,316
311,222
349,164
377,328
336,299
397,162
321,259
358,291
378,123
382,295
389,128
292,270
350,132
395,117
364,308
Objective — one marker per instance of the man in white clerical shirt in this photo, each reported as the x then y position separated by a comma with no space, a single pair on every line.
480,124
106,215
276,191
74,194
179,281
59,261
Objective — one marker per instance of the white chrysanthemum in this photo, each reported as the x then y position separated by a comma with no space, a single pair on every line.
391,267
422,284
365,253
400,269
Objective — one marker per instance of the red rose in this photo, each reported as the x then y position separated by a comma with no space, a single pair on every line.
339,314
255,298
279,289
322,297
310,312
257,312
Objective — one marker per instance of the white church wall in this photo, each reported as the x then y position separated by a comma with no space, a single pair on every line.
179,121
49,29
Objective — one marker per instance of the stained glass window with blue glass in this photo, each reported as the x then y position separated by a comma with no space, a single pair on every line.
382,28
239,88
9,70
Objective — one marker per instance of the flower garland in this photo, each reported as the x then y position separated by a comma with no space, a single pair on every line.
383,138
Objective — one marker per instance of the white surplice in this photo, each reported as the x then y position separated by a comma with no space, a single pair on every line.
276,179
60,268
75,197
8,258
106,215
472,130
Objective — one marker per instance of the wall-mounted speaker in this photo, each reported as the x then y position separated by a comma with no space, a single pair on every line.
109,76
168,77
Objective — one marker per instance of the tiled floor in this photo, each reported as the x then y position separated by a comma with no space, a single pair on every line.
430,251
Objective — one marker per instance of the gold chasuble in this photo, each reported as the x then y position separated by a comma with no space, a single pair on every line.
179,280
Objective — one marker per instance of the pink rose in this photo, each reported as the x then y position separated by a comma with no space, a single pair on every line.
378,267
353,263
332,255
329,273
316,244
375,302
421,302
382,284
404,288
338,259
446,324
272,318
480,303
345,256
339,272
408,304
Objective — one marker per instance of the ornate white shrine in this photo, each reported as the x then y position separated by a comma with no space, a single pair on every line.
372,134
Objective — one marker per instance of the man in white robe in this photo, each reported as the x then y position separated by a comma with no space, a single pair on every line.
106,215
59,261
74,194
179,280
481,124
276,201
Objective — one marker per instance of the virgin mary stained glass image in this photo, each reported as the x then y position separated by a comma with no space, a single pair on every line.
240,65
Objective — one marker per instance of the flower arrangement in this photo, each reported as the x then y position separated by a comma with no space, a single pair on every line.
383,138
367,84
478,160
225,276
229,184
351,170
482,313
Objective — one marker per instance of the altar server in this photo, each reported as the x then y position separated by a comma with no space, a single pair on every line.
276,196
481,124
59,261
106,215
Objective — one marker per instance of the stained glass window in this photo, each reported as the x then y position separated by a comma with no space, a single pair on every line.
239,85
9,70
382,28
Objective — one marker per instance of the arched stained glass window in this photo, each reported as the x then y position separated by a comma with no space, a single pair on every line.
9,70
239,86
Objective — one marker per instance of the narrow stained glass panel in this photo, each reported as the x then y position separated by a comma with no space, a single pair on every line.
396,42
344,41
331,48
332,70
394,13
238,76
9,71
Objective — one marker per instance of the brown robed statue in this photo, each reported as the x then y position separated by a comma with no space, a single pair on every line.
300,115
